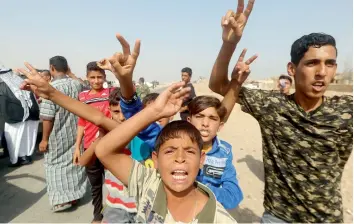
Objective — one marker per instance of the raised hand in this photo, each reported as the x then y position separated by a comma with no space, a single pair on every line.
36,83
233,24
124,63
242,69
170,101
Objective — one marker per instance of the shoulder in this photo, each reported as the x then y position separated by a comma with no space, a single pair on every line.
345,101
225,147
83,94
222,216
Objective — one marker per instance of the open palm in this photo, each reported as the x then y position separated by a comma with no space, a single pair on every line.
233,24
170,101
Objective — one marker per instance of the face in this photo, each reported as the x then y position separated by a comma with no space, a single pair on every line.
178,162
284,86
207,122
315,71
116,113
186,77
96,79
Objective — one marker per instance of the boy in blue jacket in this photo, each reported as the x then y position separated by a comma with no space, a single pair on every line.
218,173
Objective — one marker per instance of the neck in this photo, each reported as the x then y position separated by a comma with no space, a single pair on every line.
308,104
207,146
58,74
180,196
95,90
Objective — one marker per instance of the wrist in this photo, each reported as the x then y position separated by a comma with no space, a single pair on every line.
53,93
153,114
228,45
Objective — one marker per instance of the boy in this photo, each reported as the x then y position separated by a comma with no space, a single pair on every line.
207,114
172,186
98,98
120,208
150,98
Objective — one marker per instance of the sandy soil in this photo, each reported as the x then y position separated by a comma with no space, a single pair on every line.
243,132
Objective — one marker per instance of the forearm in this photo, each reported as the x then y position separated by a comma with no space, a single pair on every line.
219,81
231,98
79,136
116,140
82,110
126,88
89,155
47,129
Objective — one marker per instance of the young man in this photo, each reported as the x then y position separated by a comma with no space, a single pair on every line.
186,75
142,89
66,183
207,114
96,97
284,84
307,137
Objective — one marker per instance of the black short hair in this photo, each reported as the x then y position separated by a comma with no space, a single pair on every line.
200,103
302,45
59,63
176,129
286,77
92,66
141,79
149,98
187,70
114,97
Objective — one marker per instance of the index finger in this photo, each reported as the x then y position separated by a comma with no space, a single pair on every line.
240,7
124,43
242,55
249,8
251,59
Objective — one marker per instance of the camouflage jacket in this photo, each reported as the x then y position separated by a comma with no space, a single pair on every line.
303,154
142,90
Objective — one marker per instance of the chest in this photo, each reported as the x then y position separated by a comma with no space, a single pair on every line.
213,170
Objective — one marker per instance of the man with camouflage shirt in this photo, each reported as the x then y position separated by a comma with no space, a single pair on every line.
142,89
307,137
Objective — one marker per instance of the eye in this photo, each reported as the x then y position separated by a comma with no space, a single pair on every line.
191,152
169,151
311,63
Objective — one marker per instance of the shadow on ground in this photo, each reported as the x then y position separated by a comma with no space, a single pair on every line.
254,165
244,215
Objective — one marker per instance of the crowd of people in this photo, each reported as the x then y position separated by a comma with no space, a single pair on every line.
158,170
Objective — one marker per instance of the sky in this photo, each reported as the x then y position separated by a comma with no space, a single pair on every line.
173,34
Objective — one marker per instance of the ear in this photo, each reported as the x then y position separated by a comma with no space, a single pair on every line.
189,118
221,125
291,67
202,159
154,159
51,67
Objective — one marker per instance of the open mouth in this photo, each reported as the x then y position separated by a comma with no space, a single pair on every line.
204,133
179,175
318,86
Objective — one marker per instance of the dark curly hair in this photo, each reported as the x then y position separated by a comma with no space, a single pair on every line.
302,45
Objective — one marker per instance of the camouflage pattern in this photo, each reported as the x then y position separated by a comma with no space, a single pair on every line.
303,154
142,90
146,186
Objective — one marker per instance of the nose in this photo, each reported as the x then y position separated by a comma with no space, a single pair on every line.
205,122
121,117
321,71
180,156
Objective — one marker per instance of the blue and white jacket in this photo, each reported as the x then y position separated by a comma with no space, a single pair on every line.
219,174
150,133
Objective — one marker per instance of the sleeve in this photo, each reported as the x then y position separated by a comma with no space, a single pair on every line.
129,109
81,122
140,149
229,194
346,146
139,179
252,100
47,110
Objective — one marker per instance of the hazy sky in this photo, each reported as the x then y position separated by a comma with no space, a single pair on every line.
174,34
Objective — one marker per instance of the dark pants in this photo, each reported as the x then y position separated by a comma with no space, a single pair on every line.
95,174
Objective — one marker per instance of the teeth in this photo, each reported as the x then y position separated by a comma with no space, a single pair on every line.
179,171
179,177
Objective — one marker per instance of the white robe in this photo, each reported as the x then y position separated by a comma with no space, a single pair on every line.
21,139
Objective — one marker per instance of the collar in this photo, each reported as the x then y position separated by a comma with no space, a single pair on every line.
58,77
205,216
215,146
323,104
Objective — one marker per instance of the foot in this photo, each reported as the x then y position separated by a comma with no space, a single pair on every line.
25,160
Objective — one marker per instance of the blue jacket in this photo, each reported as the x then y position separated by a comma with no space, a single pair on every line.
150,133
219,174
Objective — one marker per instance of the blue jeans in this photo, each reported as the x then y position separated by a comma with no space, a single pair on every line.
269,218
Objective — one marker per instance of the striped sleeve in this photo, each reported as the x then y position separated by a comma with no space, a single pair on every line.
47,110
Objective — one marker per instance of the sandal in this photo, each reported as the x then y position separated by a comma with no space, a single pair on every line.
64,206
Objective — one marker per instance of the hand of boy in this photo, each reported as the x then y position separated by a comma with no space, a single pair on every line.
242,69
233,24
36,83
169,102
106,65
